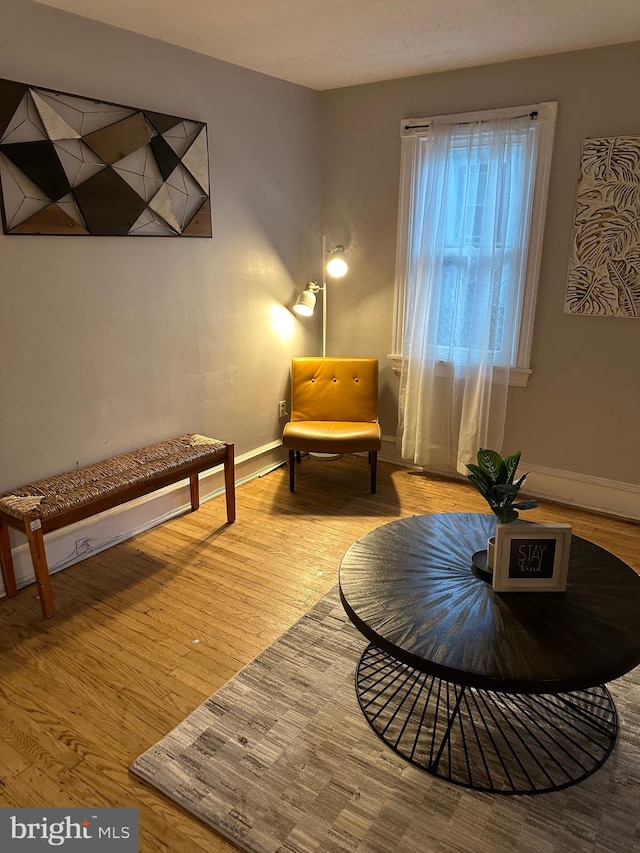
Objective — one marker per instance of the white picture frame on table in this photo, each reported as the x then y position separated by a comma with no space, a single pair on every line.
531,557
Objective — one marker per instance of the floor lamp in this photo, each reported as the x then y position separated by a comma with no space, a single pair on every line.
334,264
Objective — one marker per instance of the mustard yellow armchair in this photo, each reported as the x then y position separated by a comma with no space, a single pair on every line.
334,409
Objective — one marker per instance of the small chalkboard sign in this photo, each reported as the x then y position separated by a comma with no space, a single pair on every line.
531,557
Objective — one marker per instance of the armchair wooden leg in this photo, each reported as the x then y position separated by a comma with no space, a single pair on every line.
373,457
292,470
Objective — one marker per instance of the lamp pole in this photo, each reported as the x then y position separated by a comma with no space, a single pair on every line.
324,297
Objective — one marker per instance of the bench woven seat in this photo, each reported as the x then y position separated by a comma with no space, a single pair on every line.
64,492
54,502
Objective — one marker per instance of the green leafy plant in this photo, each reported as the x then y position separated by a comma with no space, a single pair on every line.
493,477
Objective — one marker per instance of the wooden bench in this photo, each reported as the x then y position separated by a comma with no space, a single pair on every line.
50,504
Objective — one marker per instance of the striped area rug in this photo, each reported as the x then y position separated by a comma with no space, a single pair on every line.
281,760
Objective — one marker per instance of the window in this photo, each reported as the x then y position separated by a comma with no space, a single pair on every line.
475,195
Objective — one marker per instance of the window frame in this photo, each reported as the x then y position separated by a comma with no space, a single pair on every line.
415,127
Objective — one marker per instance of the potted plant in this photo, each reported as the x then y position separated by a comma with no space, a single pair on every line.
494,477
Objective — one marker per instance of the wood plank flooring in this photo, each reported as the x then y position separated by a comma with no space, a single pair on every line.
147,630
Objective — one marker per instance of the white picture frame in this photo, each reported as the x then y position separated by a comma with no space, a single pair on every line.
531,557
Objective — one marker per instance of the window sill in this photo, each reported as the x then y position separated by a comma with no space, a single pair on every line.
518,376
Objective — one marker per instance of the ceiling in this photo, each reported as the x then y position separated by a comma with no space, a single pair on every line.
326,44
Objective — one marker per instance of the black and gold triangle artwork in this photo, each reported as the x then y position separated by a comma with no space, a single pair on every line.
70,165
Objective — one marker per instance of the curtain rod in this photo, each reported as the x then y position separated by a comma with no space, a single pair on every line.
532,115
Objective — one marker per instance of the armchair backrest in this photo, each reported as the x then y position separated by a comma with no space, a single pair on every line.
334,389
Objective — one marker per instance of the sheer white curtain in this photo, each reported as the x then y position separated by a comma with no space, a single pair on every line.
467,210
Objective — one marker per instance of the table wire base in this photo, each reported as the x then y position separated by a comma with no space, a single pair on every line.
503,743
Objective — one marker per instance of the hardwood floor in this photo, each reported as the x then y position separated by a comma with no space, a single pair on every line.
148,629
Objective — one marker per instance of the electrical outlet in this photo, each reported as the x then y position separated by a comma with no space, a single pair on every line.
282,409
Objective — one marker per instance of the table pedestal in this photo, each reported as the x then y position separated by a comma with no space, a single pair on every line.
503,743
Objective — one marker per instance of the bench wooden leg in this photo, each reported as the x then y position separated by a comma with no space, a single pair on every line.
230,483
6,561
33,530
194,490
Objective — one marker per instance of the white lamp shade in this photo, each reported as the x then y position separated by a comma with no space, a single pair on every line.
305,303
337,264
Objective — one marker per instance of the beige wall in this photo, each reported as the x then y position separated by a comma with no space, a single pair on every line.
110,343
581,411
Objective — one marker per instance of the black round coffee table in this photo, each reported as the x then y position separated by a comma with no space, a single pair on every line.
501,692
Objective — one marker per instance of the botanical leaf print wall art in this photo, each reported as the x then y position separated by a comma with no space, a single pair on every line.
604,270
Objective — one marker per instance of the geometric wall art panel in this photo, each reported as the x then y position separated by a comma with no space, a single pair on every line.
75,166
604,269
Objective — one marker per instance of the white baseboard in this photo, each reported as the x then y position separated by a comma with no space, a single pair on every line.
78,541
612,497
390,452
